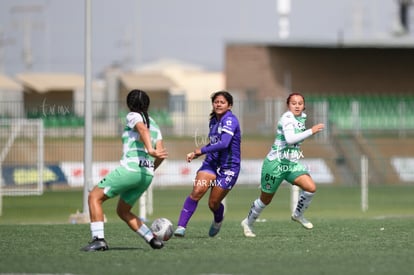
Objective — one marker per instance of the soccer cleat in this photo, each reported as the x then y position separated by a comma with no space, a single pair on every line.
214,228
304,222
156,244
96,245
179,232
247,229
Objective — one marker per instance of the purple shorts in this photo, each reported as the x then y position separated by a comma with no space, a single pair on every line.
225,178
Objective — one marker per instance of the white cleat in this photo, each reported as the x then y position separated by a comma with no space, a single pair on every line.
179,232
247,229
304,222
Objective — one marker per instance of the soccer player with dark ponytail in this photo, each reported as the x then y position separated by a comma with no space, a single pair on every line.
143,152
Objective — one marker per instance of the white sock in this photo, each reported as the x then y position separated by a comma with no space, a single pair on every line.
97,230
145,232
304,201
255,210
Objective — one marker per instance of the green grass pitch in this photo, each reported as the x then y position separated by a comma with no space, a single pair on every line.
36,237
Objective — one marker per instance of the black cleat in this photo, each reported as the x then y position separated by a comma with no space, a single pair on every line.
96,245
156,244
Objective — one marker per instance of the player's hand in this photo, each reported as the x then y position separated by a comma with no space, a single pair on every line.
159,153
193,155
317,128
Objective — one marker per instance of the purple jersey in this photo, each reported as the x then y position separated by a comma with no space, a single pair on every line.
223,150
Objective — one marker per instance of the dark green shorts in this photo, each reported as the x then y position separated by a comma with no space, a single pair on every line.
127,184
274,172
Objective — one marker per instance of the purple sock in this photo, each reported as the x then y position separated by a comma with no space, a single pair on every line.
218,214
187,211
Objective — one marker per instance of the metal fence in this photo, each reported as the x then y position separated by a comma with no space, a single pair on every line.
257,117
384,135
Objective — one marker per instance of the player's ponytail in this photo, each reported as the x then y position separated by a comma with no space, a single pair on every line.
138,101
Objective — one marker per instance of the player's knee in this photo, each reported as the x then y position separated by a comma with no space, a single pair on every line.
197,193
96,195
306,183
311,187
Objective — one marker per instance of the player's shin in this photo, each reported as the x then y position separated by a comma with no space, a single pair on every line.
219,214
149,237
187,211
145,233
255,210
97,229
303,203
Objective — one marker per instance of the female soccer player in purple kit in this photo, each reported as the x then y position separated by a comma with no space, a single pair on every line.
221,166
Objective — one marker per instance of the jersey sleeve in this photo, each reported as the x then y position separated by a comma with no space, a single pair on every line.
292,138
230,125
287,121
223,144
132,119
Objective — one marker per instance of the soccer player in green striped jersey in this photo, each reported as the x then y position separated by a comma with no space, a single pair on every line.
143,152
282,163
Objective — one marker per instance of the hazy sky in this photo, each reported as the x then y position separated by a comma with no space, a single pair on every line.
48,35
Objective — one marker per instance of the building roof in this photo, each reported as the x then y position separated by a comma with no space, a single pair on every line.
386,42
46,82
6,83
146,81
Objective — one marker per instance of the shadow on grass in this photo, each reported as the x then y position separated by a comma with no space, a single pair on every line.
118,248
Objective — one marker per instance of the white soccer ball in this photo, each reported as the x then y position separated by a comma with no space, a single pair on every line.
162,228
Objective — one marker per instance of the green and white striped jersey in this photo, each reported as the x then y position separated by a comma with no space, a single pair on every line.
135,156
281,149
